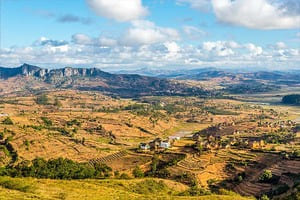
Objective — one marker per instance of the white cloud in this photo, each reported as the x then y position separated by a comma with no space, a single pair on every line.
119,10
193,33
172,47
164,54
255,14
145,32
82,39
43,41
173,50
141,32
104,41
254,50
280,45
258,14
202,5
220,48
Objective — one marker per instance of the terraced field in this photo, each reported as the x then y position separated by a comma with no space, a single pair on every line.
109,158
251,187
193,163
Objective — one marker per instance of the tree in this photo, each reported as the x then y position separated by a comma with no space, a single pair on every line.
154,164
200,148
42,100
57,103
266,176
137,172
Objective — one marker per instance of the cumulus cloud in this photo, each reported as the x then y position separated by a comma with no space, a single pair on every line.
259,14
220,48
254,50
106,53
82,39
145,32
43,41
280,45
124,10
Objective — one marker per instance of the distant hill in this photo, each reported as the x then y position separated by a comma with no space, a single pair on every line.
293,99
93,79
211,72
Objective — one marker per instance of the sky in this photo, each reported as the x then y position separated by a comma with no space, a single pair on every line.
160,34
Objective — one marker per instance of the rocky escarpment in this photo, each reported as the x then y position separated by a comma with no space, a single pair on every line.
93,79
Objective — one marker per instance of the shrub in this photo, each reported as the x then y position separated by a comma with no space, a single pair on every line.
46,121
7,121
163,173
264,197
239,178
124,176
195,191
187,178
137,172
117,174
1,135
74,122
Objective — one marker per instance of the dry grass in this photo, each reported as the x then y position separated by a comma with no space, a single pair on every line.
96,190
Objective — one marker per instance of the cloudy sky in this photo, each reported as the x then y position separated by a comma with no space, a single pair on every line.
167,34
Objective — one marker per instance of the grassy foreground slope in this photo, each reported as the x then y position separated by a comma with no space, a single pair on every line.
29,188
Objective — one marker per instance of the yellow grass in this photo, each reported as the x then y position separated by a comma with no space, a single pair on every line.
96,190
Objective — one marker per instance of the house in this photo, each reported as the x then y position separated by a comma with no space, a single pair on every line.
174,137
155,144
4,115
165,144
144,146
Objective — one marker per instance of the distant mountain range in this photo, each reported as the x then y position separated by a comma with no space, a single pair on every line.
211,72
92,79
143,82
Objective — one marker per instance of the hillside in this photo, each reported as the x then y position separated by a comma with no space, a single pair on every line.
28,78
28,188
291,99
234,81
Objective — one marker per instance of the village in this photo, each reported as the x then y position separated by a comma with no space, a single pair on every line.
224,136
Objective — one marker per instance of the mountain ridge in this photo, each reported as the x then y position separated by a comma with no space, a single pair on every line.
94,79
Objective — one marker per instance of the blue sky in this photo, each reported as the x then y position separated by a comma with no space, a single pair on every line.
151,33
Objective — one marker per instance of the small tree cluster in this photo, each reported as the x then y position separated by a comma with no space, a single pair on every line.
57,169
